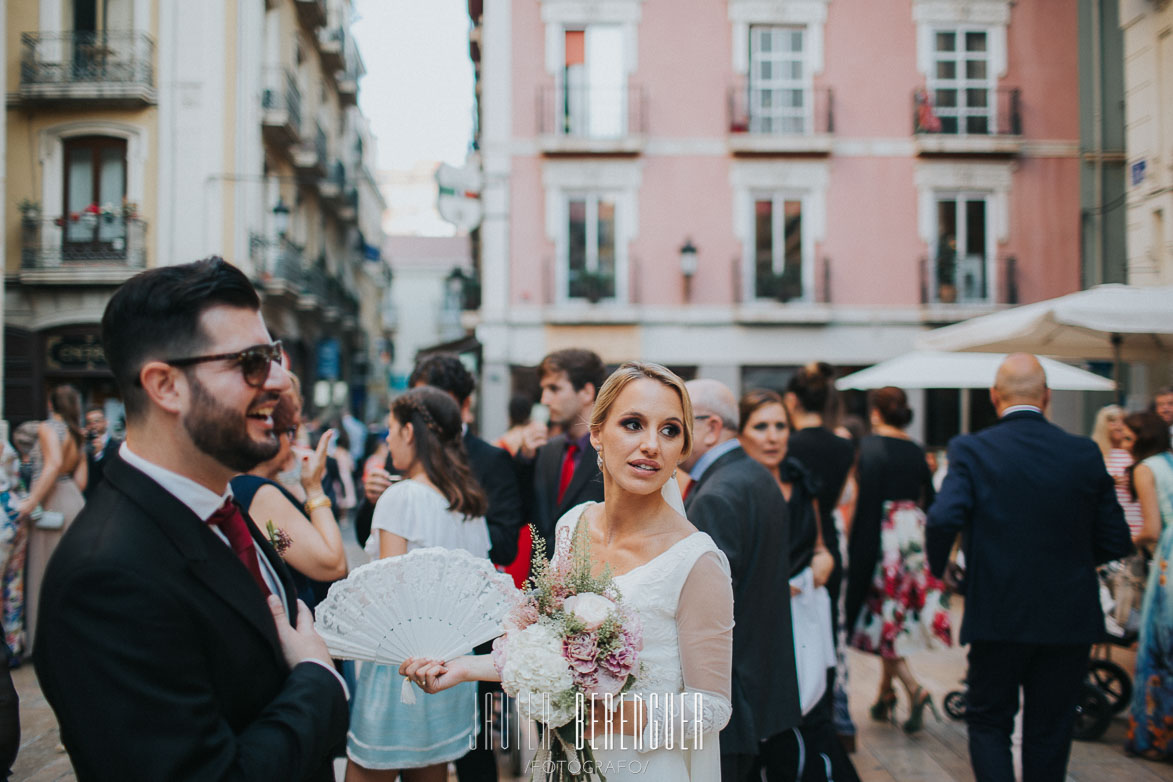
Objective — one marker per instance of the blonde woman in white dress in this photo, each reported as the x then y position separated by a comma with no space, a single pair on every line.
674,576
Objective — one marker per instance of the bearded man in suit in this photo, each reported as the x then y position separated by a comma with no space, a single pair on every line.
738,502
172,645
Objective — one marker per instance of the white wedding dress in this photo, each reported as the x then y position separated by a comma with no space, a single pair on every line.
684,599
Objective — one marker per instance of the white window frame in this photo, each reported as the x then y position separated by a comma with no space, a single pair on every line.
592,199
782,181
960,197
778,199
962,83
779,114
811,14
586,121
615,179
935,180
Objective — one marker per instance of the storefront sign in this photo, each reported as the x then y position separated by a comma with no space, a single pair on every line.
79,352
329,359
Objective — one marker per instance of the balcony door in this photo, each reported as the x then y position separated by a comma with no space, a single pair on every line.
594,83
95,195
779,85
962,262
962,83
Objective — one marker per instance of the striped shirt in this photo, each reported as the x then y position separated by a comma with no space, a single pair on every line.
1118,462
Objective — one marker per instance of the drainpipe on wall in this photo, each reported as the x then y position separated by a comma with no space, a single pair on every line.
1097,147
3,206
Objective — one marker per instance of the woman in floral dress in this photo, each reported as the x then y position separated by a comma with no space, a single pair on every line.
894,605
1150,719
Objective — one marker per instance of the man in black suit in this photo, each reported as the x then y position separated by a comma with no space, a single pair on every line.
99,445
738,503
563,471
492,466
166,647
1037,513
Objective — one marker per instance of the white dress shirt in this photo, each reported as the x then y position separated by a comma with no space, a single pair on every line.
203,502
1019,409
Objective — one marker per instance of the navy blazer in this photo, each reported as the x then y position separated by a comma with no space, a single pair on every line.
1038,512
160,657
542,476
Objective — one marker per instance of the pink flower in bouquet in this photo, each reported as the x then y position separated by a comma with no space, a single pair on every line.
500,652
580,651
522,616
606,684
590,608
620,662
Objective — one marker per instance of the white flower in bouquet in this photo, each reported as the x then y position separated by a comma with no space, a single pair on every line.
533,670
592,609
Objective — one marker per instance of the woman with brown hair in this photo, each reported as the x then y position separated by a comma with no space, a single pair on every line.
299,519
439,503
1151,483
893,602
59,473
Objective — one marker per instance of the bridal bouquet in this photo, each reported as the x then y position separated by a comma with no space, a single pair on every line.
571,640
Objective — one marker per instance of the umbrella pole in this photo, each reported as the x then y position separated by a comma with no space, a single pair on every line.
1117,341
963,410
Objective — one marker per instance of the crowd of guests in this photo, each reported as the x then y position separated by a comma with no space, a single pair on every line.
844,517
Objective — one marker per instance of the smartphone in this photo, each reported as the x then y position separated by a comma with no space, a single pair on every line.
540,413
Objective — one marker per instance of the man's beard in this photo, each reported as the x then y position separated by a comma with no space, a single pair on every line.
222,433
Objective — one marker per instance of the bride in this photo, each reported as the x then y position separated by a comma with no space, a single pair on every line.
674,576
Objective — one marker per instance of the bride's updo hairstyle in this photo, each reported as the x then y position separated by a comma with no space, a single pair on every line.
638,370
435,420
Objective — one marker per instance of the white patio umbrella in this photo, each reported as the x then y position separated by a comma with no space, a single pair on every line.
934,369
1108,322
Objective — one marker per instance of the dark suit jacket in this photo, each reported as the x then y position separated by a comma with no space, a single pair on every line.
738,503
95,466
159,655
543,475
493,469
1037,512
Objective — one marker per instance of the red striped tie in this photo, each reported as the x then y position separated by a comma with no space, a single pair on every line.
567,470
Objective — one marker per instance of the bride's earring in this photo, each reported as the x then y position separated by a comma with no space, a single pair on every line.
599,460
674,473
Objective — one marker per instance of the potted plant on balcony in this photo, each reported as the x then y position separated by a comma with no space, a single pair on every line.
30,210
947,271
592,285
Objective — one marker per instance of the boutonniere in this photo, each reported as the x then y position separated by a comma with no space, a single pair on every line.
278,538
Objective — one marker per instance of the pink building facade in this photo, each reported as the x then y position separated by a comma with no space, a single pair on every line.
850,174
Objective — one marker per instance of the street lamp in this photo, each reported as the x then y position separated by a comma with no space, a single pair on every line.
281,218
688,266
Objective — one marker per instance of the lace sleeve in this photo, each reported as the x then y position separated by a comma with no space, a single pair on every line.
704,625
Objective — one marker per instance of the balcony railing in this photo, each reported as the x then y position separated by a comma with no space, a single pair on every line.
964,281
310,156
331,46
311,13
83,242
110,67
970,121
277,262
583,119
281,106
780,120
333,185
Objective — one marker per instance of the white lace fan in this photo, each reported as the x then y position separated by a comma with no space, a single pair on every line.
431,602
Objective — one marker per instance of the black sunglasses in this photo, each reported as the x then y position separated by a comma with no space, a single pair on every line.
254,362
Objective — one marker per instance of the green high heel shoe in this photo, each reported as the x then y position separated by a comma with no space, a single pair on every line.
916,716
884,709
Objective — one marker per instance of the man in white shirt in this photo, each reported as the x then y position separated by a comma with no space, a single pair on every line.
172,645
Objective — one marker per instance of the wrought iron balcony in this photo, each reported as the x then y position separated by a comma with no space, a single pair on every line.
780,121
311,13
281,108
331,47
584,120
88,67
967,121
348,209
332,188
969,281
86,247
310,156
277,262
